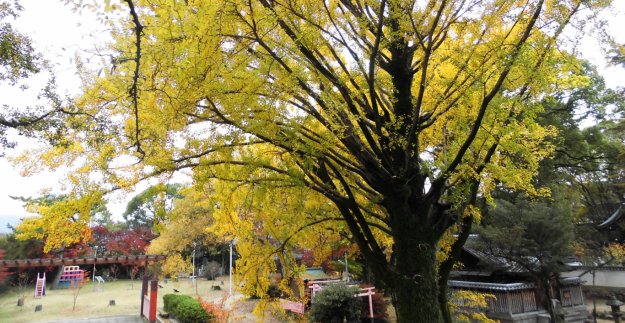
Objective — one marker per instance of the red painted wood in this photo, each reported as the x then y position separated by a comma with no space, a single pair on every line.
153,300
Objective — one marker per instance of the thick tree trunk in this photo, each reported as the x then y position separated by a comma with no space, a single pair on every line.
415,284
446,266
547,289
443,301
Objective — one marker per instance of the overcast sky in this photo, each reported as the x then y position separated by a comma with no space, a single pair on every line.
59,34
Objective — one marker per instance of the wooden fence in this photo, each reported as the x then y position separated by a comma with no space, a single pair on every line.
509,298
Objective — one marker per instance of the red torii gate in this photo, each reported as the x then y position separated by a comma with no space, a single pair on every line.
148,304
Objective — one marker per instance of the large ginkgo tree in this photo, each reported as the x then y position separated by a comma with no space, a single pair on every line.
397,113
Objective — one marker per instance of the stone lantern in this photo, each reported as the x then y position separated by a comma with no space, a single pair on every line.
615,305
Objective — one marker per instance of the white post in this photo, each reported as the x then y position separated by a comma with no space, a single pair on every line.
370,306
230,287
346,269
95,259
193,275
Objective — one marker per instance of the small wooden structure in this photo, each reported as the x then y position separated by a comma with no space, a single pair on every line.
518,299
512,298
517,302
570,292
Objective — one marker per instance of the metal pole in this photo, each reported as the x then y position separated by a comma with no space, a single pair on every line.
594,300
193,279
230,287
95,256
346,269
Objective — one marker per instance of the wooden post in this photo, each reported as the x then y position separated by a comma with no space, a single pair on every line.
144,288
153,300
154,292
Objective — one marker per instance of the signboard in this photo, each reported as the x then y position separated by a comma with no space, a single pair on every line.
295,307
146,306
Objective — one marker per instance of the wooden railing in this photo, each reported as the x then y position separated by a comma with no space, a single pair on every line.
30,263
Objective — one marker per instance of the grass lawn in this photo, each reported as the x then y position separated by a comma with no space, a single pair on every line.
58,304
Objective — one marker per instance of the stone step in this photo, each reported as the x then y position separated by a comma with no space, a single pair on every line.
575,318
577,315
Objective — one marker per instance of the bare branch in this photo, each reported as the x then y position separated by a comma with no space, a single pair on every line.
135,79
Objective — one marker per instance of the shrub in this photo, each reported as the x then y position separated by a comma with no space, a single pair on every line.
335,303
189,310
171,301
186,309
217,311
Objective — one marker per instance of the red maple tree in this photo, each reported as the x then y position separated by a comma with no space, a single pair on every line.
4,273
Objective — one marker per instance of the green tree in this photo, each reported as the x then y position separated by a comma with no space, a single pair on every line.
587,160
587,147
150,207
20,249
534,235
584,173
397,113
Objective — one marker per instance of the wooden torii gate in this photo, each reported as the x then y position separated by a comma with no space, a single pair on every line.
148,302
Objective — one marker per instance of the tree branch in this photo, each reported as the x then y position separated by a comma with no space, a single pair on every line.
135,79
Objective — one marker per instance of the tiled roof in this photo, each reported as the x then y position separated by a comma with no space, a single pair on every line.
489,286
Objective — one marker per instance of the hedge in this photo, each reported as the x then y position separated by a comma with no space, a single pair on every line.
171,301
185,308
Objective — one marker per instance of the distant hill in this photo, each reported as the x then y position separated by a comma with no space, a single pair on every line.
9,219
